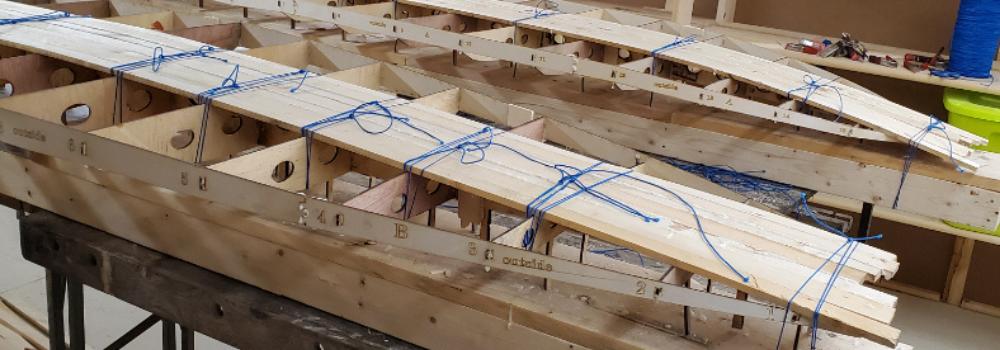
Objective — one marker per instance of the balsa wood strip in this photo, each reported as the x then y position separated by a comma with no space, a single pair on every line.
503,177
862,107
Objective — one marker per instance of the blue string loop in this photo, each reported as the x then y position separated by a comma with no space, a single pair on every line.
914,145
678,42
58,14
813,85
850,245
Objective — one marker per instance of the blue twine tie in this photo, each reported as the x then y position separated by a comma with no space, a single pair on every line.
231,85
678,42
813,85
372,109
851,244
155,62
58,14
539,12
911,153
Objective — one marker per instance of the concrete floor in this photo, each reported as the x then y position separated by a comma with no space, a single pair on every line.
925,324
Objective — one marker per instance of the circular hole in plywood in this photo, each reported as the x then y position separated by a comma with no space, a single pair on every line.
282,171
433,187
558,39
524,38
232,125
6,88
591,53
76,114
62,77
404,14
624,53
182,139
398,203
509,40
350,2
331,4
462,26
387,16
138,100
328,154
447,28
496,25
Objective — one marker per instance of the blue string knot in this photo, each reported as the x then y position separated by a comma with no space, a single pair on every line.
850,245
813,85
914,145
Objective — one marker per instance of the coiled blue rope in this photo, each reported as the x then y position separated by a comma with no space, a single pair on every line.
911,152
974,42
678,42
848,248
813,85
58,14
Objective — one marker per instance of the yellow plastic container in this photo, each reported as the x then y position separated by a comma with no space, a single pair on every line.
979,114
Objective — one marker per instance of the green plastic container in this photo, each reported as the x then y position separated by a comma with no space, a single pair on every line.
979,114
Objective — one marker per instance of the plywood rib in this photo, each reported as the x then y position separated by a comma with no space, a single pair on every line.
777,253
862,107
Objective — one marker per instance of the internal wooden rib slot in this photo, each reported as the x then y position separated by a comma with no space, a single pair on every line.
176,134
488,108
590,144
284,165
726,86
402,81
500,35
31,73
226,36
162,21
85,106
368,76
316,58
403,197
446,101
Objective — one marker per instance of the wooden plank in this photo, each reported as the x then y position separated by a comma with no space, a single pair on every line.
725,12
680,11
225,35
22,328
31,73
264,105
958,272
